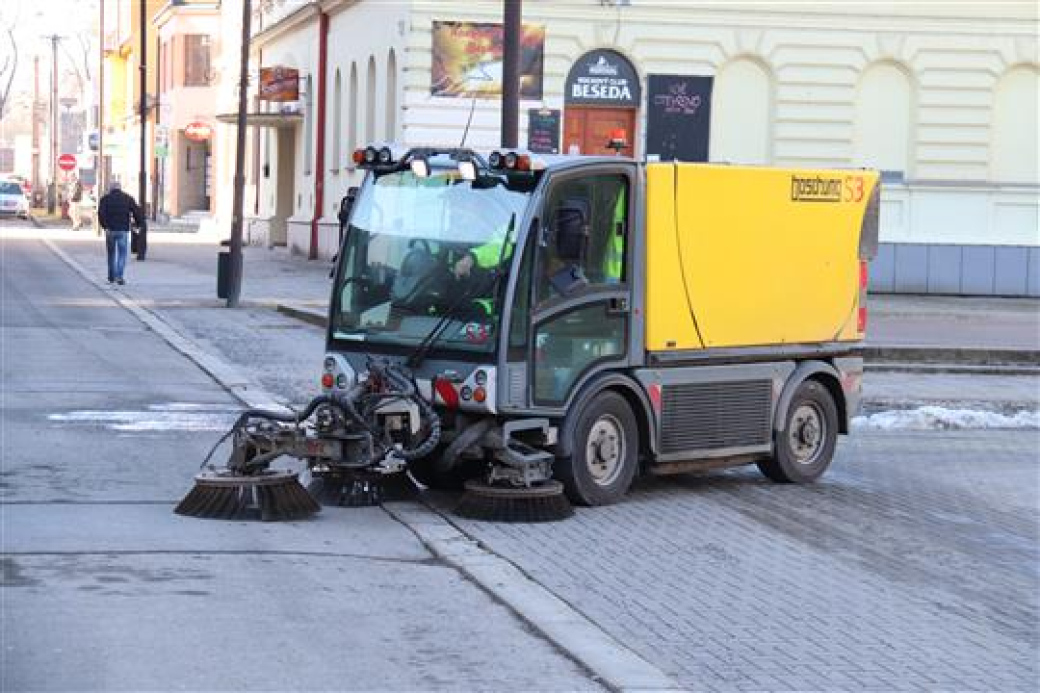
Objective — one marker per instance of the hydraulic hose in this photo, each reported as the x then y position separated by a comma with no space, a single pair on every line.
426,413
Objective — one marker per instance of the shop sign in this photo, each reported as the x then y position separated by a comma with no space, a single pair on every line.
279,83
543,130
678,120
467,60
602,78
197,131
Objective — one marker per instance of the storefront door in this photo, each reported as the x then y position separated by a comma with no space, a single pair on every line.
590,129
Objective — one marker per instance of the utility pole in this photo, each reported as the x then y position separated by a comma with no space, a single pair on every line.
512,25
36,182
52,186
235,250
99,175
142,236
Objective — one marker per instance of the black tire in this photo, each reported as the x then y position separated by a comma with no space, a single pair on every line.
605,424
804,447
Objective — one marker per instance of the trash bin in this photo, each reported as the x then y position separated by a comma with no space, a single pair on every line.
223,271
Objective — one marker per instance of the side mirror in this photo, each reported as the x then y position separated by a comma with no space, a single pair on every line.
347,204
570,229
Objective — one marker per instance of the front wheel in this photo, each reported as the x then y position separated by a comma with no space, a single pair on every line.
804,447
604,452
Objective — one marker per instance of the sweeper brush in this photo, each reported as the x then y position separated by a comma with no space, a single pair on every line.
356,444
544,502
269,495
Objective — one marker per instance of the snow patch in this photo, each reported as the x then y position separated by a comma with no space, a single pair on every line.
933,418
175,416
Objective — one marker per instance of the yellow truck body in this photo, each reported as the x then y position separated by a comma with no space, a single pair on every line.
746,256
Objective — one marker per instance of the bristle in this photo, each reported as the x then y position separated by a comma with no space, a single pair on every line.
493,504
361,490
271,496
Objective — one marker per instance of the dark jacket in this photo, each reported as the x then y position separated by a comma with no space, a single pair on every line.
116,210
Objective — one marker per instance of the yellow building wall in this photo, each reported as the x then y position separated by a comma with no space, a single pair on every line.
753,256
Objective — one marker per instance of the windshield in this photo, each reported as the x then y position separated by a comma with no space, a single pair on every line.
423,251
9,188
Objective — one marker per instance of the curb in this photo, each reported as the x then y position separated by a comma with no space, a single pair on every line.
568,629
949,368
223,373
618,667
908,359
979,356
311,316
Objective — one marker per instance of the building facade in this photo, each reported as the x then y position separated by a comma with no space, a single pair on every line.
121,126
187,86
941,97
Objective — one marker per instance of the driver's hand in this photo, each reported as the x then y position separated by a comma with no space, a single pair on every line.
463,266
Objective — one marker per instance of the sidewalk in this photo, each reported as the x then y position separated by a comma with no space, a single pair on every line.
964,344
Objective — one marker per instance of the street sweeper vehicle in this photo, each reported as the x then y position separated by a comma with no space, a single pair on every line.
545,329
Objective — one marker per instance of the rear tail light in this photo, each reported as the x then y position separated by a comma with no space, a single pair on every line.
864,275
327,380
861,321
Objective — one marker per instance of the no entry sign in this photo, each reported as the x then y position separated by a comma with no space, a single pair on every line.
197,131
66,162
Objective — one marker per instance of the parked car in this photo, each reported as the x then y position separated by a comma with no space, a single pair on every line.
13,202
24,182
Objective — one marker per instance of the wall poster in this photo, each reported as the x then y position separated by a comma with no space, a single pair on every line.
467,60
678,117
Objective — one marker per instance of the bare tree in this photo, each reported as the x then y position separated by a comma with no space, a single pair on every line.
9,61
80,64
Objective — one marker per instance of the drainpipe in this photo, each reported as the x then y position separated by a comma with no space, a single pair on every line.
319,161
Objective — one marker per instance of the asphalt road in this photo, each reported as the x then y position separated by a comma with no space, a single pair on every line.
104,588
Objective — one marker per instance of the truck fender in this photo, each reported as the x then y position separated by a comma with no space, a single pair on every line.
804,371
625,386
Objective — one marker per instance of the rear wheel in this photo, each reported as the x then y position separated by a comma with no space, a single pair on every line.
804,447
604,452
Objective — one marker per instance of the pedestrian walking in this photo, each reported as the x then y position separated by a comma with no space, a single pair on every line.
117,211
75,211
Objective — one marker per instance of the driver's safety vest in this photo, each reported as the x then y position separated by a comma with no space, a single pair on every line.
614,257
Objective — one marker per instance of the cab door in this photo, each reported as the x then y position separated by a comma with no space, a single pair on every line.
580,294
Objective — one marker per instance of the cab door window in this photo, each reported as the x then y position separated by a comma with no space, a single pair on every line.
581,293
585,236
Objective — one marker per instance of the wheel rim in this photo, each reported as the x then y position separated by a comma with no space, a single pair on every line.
807,433
605,450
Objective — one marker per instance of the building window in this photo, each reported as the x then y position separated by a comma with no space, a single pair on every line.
882,138
741,113
391,96
352,126
370,102
1013,156
308,127
337,125
196,60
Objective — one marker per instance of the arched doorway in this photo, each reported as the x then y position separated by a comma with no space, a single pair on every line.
602,96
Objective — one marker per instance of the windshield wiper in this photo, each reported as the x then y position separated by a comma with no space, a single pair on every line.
421,351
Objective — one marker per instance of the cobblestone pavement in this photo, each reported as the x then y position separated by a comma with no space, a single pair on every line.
913,565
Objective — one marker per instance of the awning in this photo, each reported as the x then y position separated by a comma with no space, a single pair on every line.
264,120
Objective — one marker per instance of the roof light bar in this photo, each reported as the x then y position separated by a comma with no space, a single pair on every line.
513,161
378,155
